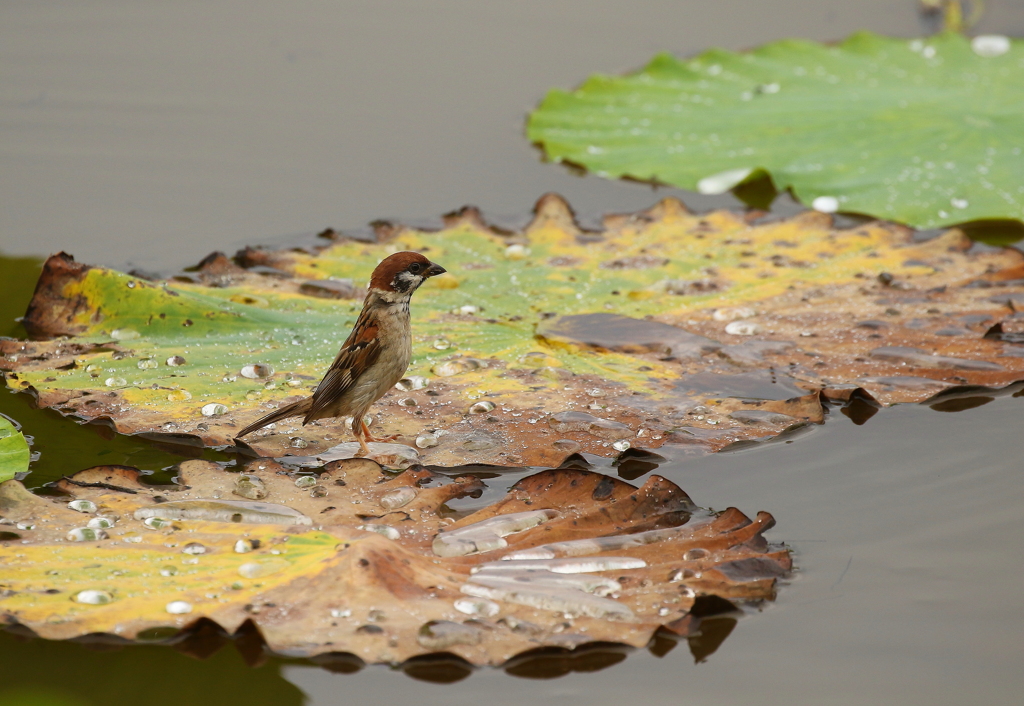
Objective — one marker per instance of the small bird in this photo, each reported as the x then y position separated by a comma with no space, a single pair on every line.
374,356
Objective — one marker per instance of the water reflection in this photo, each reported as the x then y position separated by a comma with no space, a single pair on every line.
63,445
237,669
38,672
959,399
860,408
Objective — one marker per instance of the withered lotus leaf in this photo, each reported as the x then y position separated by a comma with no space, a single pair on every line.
663,327
358,561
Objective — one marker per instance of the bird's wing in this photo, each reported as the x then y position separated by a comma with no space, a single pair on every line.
361,350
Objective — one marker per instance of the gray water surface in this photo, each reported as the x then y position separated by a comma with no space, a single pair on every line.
155,132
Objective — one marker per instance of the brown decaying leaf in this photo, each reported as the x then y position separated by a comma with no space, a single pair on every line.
737,370
359,571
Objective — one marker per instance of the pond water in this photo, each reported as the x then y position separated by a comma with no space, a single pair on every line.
147,135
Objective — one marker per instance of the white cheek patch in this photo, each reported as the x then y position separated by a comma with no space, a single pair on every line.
406,282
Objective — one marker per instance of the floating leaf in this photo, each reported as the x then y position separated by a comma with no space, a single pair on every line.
923,131
568,557
14,453
664,327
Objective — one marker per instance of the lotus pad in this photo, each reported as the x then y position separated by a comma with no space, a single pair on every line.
664,327
367,567
928,132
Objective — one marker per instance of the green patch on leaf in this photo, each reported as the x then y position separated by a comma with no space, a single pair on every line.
924,131
175,347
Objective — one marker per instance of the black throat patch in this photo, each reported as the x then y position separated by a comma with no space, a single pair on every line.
406,282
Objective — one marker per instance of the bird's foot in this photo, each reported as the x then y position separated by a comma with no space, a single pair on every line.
364,450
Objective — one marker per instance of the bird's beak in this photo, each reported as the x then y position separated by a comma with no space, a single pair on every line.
435,269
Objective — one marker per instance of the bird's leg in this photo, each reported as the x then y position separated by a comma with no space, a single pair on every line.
370,437
358,431
363,446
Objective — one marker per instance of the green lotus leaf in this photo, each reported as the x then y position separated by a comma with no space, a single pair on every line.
14,454
929,132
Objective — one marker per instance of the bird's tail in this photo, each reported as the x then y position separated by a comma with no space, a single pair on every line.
294,409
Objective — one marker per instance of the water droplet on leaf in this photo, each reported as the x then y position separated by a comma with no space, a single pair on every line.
249,486
266,567
723,181
213,409
990,45
93,597
397,498
256,370
825,204
516,251
742,328
385,530
85,534
425,441
413,382
734,313
477,606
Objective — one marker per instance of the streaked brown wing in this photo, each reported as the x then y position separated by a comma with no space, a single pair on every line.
361,350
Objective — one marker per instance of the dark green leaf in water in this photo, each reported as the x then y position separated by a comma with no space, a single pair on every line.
929,132
14,453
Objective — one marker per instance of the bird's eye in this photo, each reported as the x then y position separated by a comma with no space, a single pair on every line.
415,268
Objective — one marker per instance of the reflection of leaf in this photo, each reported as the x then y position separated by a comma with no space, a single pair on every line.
567,557
14,453
927,132
663,327
215,675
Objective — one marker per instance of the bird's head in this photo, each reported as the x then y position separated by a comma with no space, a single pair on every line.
402,273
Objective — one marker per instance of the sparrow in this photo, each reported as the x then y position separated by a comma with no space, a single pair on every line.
374,356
